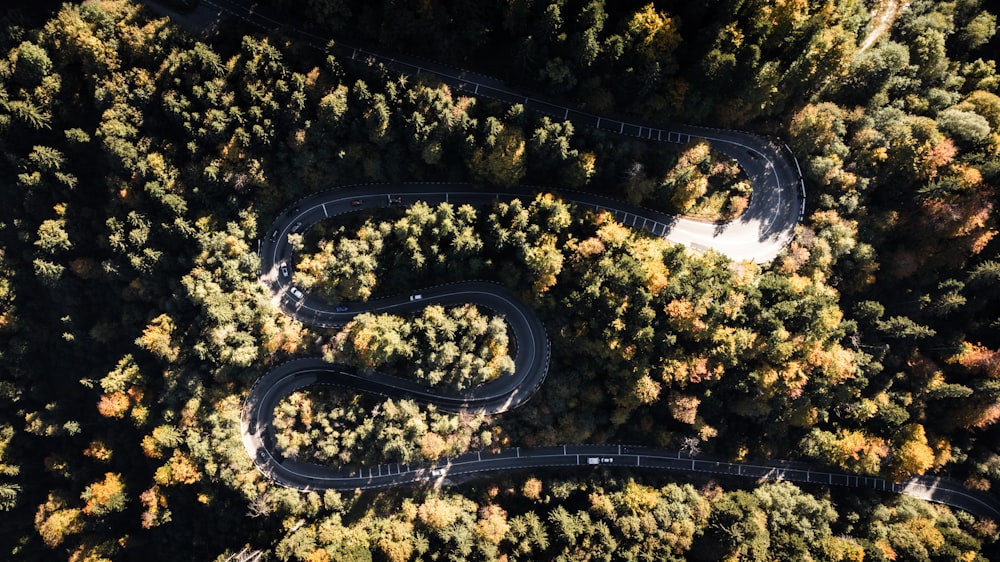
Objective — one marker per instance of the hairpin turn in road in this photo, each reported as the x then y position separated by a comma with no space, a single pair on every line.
762,231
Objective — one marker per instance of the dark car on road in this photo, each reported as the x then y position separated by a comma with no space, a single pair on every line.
341,308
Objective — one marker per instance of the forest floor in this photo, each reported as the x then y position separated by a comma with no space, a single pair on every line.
883,16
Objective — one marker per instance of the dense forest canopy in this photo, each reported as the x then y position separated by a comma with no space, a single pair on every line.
141,163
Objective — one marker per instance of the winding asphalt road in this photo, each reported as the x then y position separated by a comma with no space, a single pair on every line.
759,234
509,391
763,230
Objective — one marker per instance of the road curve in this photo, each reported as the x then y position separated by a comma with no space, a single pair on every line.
512,390
759,234
764,229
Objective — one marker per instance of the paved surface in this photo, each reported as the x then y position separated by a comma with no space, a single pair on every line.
759,235
510,391
764,229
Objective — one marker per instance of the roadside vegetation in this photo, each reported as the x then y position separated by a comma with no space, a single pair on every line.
343,430
140,166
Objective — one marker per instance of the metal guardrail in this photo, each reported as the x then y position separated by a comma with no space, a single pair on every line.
802,183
